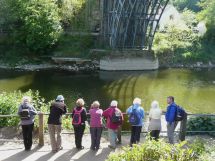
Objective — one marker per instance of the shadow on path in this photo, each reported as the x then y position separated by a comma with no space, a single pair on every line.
21,155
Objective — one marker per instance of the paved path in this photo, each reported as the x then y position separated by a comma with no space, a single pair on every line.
15,151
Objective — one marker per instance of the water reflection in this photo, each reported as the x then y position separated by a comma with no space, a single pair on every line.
194,90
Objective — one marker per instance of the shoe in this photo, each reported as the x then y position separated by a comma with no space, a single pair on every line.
80,148
112,147
92,148
118,142
61,148
97,148
54,151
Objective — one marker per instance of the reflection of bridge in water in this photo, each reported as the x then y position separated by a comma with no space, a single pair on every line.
131,24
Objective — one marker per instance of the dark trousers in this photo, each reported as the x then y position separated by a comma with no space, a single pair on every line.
79,132
135,134
154,134
96,133
27,135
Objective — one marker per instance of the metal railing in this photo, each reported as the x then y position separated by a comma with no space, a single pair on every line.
182,130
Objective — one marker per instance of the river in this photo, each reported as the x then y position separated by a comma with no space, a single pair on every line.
193,89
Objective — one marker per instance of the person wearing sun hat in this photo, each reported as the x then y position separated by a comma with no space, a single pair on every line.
57,109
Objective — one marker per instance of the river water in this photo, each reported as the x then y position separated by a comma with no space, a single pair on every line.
193,89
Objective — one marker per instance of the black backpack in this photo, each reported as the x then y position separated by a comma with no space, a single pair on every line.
25,113
180,113
116,117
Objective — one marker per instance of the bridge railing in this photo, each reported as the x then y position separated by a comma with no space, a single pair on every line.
182,129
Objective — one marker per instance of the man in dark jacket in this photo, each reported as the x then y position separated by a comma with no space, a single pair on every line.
170,118
57,109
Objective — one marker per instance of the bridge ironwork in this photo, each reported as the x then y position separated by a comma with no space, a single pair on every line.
131,24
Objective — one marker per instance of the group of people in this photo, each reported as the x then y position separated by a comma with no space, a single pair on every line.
112,115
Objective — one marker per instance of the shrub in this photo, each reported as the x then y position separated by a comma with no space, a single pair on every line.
156,151
201,124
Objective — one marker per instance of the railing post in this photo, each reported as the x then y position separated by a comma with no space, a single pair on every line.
41,129
183,129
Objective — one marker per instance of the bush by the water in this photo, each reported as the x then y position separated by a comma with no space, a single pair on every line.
159,151
201,124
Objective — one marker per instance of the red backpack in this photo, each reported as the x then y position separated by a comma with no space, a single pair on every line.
76,119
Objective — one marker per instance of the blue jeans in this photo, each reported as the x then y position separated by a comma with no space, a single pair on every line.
112,137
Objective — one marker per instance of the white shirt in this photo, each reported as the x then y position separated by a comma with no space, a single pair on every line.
155,113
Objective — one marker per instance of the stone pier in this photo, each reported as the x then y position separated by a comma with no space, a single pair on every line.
129,60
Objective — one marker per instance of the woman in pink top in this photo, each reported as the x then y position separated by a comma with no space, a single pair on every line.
95,125
112,125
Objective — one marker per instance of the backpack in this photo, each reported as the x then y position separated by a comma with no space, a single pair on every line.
134,119
180,113
116,117
25,113
76,119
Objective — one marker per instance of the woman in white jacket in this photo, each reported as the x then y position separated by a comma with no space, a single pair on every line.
155,120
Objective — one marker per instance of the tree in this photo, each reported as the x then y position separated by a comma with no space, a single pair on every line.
34,24
68,9
173,38
207,14
189,4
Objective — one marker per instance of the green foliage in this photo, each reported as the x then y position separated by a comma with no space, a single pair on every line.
207,14
173,38
9,103
189,18
189,4
74,46
209,152
34,25
156,151
68,9
201,124
67,123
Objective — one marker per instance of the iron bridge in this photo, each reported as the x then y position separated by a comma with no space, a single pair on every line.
131,24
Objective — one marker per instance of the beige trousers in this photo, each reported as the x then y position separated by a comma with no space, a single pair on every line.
55,142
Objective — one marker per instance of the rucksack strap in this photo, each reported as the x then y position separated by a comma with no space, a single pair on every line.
76,111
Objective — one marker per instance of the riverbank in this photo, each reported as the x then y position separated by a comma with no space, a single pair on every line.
93,66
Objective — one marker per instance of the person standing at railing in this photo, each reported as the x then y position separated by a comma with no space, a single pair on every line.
95,125
114,121
136,116
155,120
79,117
170,118
27,112
57,109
